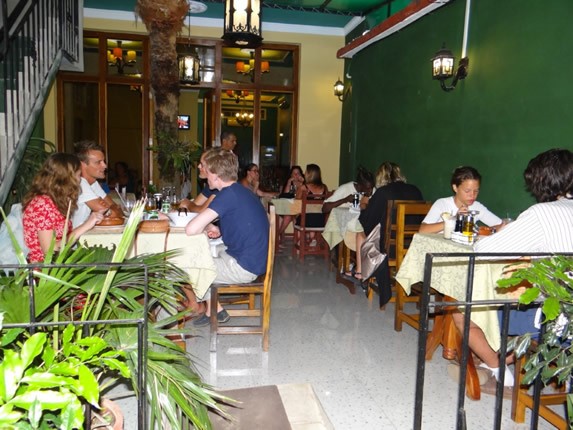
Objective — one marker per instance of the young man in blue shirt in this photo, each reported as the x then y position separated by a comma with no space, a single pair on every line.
243,226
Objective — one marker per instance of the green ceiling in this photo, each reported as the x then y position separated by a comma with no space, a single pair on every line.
327,13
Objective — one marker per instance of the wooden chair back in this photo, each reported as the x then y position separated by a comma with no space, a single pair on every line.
260,287
409,217
310,203
391,227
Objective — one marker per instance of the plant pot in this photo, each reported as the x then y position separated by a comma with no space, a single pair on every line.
112,415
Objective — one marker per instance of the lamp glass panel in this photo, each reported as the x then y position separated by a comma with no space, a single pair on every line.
447,66
124,57
206,56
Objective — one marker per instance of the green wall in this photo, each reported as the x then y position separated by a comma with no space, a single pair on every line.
515,103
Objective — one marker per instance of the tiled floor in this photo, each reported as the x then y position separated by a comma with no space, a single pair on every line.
361,369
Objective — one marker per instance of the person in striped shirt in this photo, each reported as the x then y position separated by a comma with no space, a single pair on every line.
546,226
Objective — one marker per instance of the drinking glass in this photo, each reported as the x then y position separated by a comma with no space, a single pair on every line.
174,202
150,204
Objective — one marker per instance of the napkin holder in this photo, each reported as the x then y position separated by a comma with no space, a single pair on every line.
463,239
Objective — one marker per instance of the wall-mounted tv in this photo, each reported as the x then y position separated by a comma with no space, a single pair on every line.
183,122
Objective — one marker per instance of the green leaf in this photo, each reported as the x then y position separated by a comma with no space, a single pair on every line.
529,295
50,399
47,380
8,415
10,335
35,413
551,308
12,370
72,416
32,348
120,366
90,387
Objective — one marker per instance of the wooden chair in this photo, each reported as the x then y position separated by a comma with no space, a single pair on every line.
522,399
302,241
259,287
389,244
405,230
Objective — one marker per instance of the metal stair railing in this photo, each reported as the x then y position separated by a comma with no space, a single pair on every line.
34,38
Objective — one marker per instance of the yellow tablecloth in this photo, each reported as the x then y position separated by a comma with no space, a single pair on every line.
449,278
287,206
194,257
342,224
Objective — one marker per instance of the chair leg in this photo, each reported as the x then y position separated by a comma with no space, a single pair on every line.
399,306
266,323
214,322
517,405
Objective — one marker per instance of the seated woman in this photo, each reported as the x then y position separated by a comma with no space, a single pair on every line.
313,186
251,180
465,183
344,194
293,183
392,186
122,178
52,197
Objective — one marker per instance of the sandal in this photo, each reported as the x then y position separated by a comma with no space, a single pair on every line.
352,275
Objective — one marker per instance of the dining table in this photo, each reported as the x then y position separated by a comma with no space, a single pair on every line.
340,230
448,277
195,254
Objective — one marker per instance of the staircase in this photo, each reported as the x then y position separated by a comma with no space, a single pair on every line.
35,37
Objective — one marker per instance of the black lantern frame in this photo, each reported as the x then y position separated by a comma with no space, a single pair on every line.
243,23
443,68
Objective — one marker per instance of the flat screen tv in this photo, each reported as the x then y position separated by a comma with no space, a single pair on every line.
183,122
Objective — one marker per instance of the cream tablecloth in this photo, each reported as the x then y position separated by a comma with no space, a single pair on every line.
287,206
342,224
449,278
194,258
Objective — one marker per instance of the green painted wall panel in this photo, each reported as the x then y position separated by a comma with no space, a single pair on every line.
515,103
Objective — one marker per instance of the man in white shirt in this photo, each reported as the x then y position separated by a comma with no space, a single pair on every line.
92,197
228,140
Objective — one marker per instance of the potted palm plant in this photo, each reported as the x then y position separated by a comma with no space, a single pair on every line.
174,392
550,280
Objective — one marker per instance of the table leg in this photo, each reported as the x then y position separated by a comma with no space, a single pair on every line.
343,261
446,334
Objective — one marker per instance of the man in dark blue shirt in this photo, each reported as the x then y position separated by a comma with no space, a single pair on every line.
243,226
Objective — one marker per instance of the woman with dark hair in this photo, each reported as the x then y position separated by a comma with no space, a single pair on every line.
52,198
251,180
544,227
122,178
344,194
313,186
465,183
293,183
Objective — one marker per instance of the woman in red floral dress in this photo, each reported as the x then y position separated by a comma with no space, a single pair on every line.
54,191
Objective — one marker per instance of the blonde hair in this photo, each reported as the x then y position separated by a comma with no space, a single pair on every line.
57,180
222,163
387,173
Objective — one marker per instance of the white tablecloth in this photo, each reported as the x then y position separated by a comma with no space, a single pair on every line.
195,253
449,278
342,225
